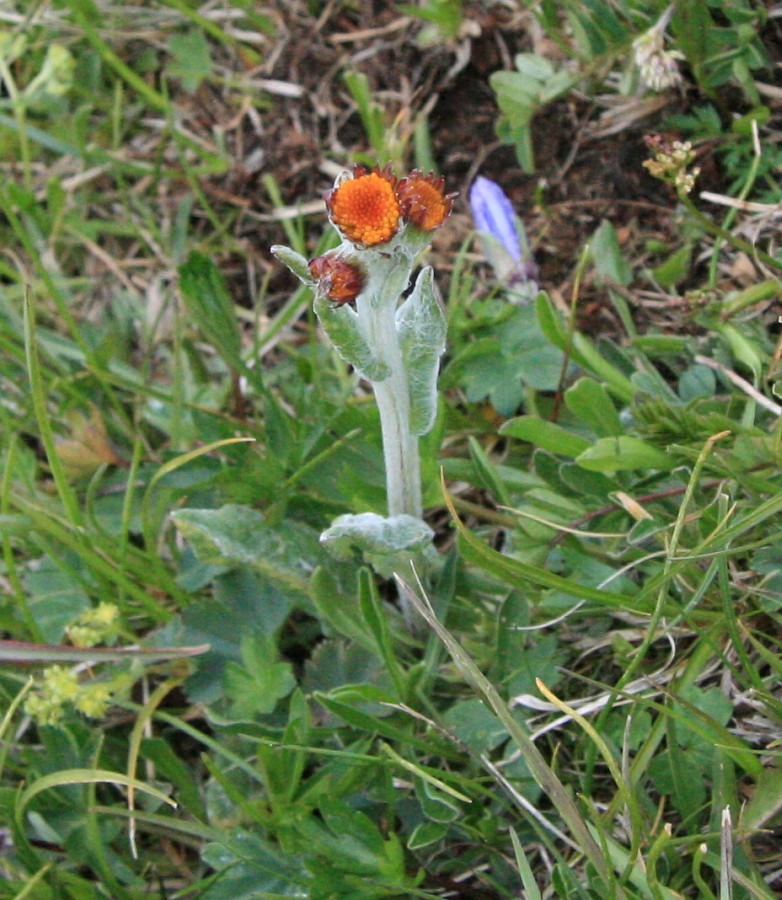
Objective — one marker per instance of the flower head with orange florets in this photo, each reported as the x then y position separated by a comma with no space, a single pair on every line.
371,207
364,207
423,201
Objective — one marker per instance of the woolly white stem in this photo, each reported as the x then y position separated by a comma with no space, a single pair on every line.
400,447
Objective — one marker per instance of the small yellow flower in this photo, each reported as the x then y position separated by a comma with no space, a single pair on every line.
94,625
93,699
59,684
84,635
364,206
102,615
43,709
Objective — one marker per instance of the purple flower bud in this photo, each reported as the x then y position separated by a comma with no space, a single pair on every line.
493,213
502,238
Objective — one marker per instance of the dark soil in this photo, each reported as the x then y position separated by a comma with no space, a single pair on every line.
581,179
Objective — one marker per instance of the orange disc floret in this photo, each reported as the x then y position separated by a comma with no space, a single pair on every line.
364,207
338,280
423,202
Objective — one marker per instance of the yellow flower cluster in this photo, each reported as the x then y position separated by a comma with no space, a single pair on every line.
94,626
59,688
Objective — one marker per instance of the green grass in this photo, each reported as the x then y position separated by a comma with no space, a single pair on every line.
586,702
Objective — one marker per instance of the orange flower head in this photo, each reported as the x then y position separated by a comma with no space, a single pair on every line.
338,280
423,202
365,208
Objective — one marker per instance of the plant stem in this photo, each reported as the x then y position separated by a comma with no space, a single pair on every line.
400,447
736,242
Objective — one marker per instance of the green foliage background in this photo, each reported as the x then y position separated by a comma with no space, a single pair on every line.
584,696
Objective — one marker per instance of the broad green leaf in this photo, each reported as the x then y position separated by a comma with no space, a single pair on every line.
56,598
742,348
474,724
344,821
613,454
242,603
766,802
696,382
591,484
592,404
533,68
336,662
437,805
248,865
546,435
425,834
421,326
349,841
675,268
255,686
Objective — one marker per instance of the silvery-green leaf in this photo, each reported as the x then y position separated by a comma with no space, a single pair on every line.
294,261
341,325
374,534
421,326
287,553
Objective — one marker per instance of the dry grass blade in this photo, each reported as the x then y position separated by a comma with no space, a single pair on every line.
540,769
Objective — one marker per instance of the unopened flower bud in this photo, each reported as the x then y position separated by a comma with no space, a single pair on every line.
337,279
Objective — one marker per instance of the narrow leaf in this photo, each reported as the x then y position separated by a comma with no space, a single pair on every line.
421,326
294,261
539,768
210,306
24,652
341,326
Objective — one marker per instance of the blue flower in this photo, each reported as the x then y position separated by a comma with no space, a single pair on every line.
493,214
502,234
